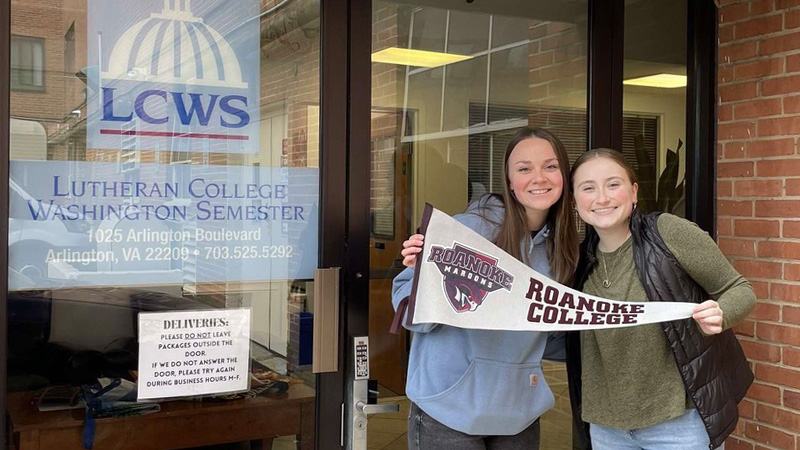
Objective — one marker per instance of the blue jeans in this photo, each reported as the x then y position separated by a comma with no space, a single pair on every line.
685,432
426,433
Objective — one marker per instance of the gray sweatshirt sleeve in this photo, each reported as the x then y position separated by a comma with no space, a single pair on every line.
704,262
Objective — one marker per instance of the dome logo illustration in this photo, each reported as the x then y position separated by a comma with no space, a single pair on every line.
173,79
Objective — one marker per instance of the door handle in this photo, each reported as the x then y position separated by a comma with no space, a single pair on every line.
358,405
382,408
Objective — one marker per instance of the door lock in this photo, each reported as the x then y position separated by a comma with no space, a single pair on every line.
358,399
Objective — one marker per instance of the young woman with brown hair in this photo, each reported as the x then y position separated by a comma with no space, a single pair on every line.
668,386
479,389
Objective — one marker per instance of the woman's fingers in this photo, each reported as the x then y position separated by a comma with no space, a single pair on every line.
708,316
411,247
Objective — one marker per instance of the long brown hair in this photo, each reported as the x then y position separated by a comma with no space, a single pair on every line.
562,244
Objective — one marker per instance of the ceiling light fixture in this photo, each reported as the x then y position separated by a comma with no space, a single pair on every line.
417,58
661,80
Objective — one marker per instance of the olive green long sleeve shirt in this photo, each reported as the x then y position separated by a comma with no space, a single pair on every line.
630,378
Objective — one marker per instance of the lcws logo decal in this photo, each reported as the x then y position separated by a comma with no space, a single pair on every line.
468,275
170,80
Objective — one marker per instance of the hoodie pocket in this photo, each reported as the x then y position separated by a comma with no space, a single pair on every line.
492,398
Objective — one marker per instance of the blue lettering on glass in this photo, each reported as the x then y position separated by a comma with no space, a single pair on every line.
197,108
139,106
108,107
225,105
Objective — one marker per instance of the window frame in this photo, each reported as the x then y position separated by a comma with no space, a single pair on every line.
14,79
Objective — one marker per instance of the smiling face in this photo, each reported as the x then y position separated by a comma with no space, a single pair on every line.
604,194
535,179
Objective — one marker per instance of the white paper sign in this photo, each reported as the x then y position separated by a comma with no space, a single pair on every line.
465,281
188,353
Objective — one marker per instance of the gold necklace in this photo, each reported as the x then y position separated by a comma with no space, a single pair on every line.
606,281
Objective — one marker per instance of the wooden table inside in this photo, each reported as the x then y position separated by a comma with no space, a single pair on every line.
179,424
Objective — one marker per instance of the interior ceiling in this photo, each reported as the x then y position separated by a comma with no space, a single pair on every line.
655,30
560,10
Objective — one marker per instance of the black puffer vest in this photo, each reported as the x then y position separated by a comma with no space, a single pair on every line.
714,370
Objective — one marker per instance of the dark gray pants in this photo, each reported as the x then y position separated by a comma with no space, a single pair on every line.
426,433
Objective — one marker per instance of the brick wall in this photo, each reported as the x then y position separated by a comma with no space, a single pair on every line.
758,205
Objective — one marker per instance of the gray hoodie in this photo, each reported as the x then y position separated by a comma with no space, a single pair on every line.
481,382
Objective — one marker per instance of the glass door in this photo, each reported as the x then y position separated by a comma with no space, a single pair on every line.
164,223
451,83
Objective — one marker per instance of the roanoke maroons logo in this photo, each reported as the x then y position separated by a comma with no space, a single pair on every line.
468,275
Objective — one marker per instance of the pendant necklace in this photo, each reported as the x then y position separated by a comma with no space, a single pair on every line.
607,281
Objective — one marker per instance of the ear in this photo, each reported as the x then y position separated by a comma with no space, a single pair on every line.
635,192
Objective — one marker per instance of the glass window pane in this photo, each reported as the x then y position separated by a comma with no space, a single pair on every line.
163,226
450,124
654,117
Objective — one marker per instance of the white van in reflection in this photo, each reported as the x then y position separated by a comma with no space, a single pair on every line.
30,240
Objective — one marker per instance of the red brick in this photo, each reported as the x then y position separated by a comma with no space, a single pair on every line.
734,13
791,272
786,4
747,409
766,311
757,228
778,168
737,444
733,92
724,74
745,328
725,113
725,35
785,292
776,208
791,229
758,27
760,108
758,269
792,19
724,226
737,130
779,126
758,69
778,417
773,147
759,7
758,188
734,150
782,334
724,189
791,399
740,52
737,247
791,315
771,436
778,249
761,289
783,43
784,85
760,351
778,375
763,392
735,169
793,186
792,63
734,208
791,357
